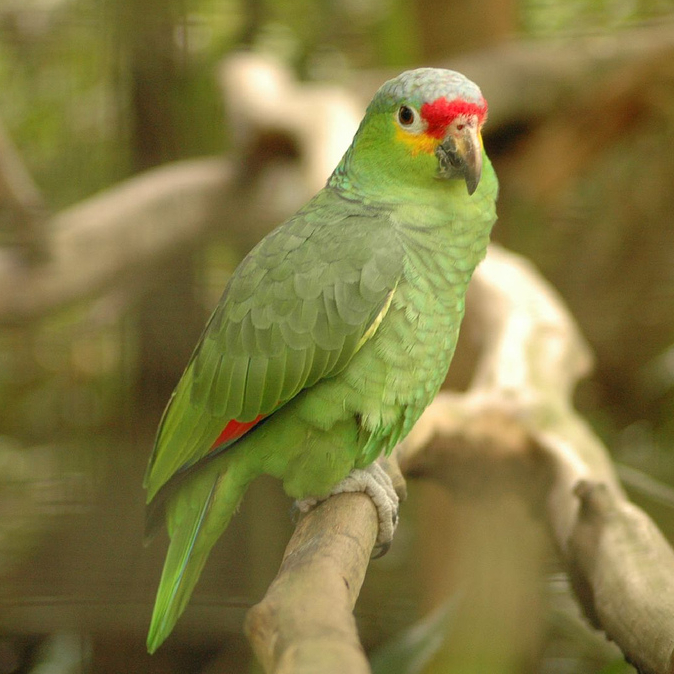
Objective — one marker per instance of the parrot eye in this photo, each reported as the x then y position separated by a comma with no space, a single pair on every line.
406,115
409,119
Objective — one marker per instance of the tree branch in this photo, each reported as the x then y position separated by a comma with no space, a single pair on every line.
514,430
103,241
517,419
305,622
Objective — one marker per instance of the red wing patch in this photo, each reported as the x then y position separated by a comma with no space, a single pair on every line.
234,430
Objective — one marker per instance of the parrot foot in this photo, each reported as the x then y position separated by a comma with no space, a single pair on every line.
376,483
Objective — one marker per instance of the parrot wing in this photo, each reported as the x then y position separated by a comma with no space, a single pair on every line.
296,310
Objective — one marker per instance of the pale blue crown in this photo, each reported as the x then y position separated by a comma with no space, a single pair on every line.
426,85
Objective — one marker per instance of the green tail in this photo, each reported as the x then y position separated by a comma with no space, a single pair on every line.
197,516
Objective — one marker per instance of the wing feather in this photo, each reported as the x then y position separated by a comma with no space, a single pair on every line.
295,311
232,405
292,377
273,386
319,366
255,387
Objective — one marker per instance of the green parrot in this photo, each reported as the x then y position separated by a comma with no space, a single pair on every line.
334,333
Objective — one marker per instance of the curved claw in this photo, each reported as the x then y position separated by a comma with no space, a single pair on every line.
380,550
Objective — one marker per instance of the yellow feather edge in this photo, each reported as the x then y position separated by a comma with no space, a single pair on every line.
377,321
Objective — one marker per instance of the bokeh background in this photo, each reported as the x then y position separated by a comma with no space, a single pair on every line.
95,92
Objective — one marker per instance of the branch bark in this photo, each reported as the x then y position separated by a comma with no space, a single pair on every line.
305,623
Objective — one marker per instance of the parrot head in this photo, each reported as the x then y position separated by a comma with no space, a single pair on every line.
422,126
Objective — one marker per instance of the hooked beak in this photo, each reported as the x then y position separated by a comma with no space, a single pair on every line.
460,156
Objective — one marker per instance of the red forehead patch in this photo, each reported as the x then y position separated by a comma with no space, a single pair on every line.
441,112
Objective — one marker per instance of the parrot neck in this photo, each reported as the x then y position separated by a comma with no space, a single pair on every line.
443,229
412,198
447,241
364,177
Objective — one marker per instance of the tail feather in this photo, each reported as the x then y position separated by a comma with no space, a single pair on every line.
197,516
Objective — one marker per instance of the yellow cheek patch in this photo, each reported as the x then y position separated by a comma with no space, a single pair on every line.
417,142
